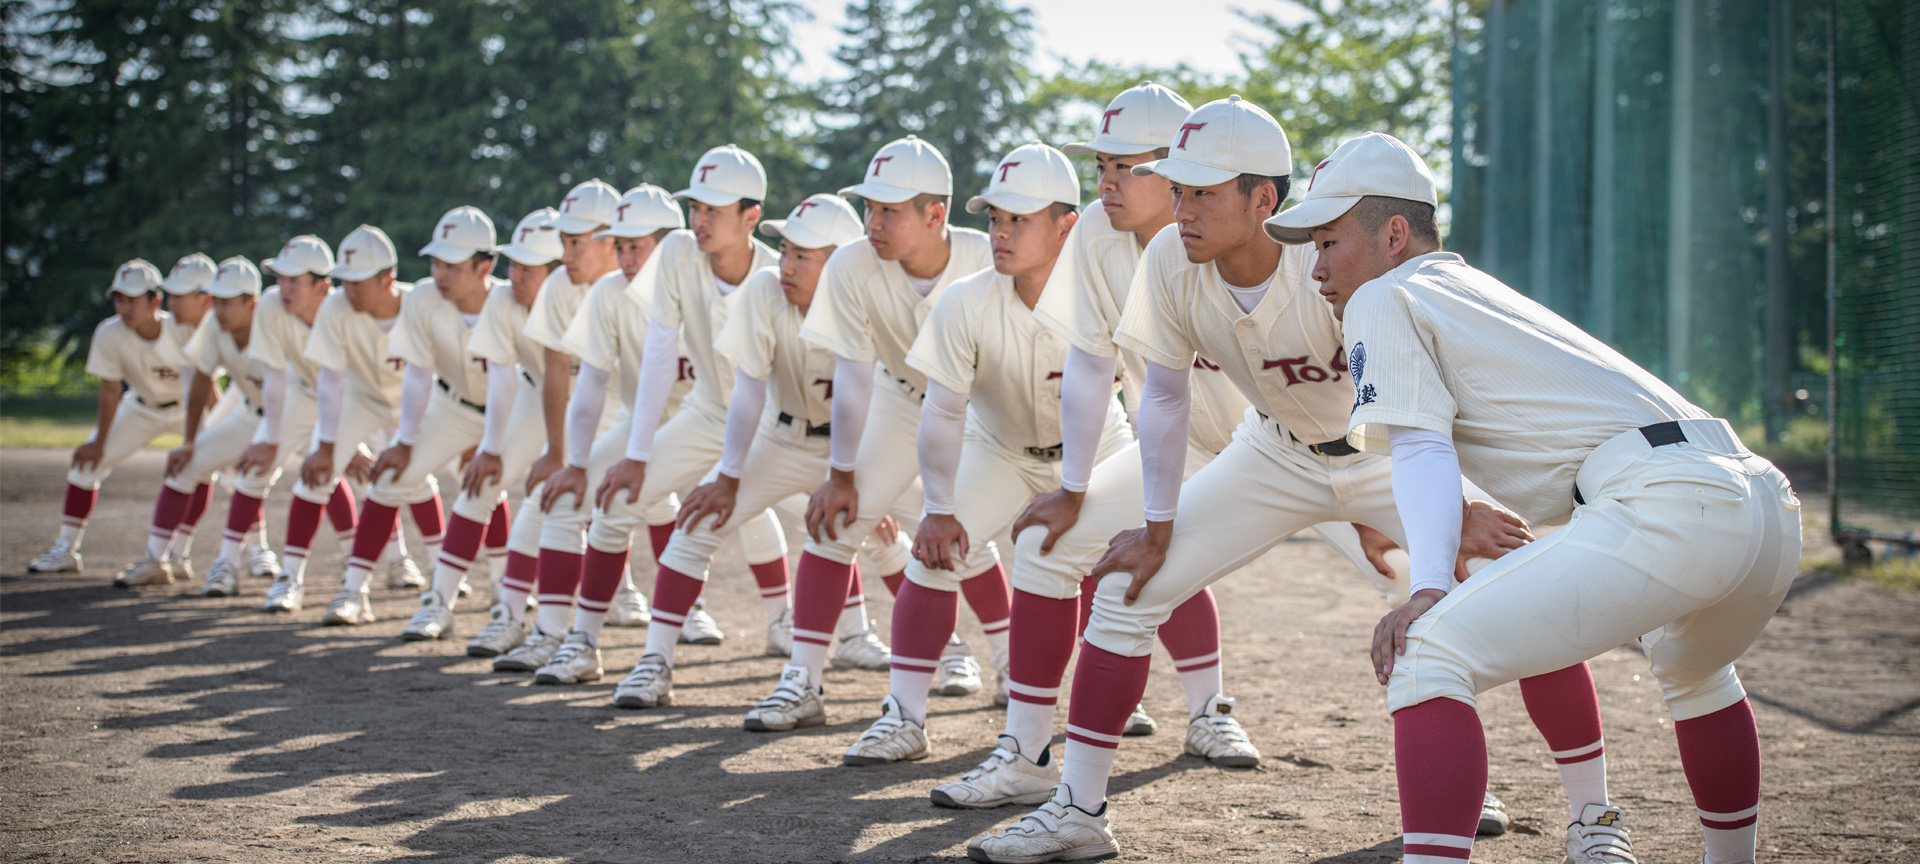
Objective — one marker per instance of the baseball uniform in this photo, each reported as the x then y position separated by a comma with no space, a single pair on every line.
151,406
432,334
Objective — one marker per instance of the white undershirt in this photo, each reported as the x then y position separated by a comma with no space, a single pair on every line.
386,324
1248,298
923,287
724,286
470,319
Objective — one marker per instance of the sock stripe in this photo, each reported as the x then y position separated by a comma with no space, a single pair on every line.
914,664
453,563
556,599
1730,826
73,521
775,591
668,617
1034,694
992,627
235,536
359,562
1748,815
1194,664
1453,841
1090,737
856,601
816,636
593,605
1580,754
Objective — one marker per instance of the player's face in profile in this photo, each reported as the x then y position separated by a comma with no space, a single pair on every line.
233,313
459,281
894,230
189,308
800,271
1349,257
1218,218
585,258
136,311
365,295
1024,243
718,228
302,294
1132,203
526,280
633,253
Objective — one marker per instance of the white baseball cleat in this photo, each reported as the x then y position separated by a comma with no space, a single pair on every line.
863,651
61,558
350,607
577,662
403,573
1007,777
1599,837
700,628
1139,723
182,567
531,654
892,738
261,562
1493,817
629,609
284,595
780,635
649,685
223,580
792,704
433,620
502,634
959,673
1217,737
1058,831
146,571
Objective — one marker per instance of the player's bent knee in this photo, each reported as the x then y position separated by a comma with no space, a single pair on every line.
1429,671
1689,699
938,580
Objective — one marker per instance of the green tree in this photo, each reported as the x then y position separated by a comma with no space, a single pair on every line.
863,109
967,60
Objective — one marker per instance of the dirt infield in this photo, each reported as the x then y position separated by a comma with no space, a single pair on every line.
159,726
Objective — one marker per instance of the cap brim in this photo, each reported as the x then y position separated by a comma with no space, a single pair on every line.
230,293
1293,226
709,197
577,225
115,289
1011,203
172,286
281,269
353,274
630,231
798,235
1185,173
522,255
449,252
1110,148
883,193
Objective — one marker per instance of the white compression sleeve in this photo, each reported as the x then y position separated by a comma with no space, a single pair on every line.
853,392
1165,403
416,387
943,423
273,400
1426,489
659,365
743,418
589,399
1086,388
500,387
330,394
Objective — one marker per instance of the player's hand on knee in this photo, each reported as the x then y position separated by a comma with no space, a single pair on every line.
569,480
888,531
1488,532
1390,635
1139,553
545,467
934,543
258,458
395,459
359,466
86,456
318,467
834,496
625,476
1376,546
1058,511
715,499
482,472
178,457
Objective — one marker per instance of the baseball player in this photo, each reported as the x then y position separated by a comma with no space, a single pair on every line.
982,349
1673,528
443,388
132,355
1212,285
873,297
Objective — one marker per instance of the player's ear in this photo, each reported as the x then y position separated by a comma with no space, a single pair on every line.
1398,234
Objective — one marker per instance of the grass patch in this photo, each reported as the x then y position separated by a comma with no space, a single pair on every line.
62,423
1893,574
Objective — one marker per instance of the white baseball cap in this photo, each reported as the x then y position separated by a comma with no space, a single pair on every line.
535,241
1027,180
189,274
461,234
904,169
1372,164
365,252
237,277
645,208
820,221
1221,140
724,175
1141,119
135,278
303,254
587,208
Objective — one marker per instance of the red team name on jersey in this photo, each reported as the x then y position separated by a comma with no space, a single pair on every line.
399,364
686,369
1297,369
166,373
827,383
1200,362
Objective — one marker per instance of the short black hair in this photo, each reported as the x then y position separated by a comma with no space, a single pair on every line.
746,203
927,199
1059,209
1282,185
484,253
1373,211
660,234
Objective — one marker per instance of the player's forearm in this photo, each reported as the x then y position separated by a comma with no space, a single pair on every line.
1166,402
1086,389
273,401
554,393
748,402
1426,490
416,387
199,393
500,388
583,413
853,398
329,396
659,367
108,405
943,424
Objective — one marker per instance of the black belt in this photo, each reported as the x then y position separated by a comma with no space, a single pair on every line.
1336,447
1657,435
160,407
448,389
1051,454
529,376
820,431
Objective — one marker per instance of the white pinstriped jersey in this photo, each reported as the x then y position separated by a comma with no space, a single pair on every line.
353,343
501,336
432,333
151,369
553,310
609,332
679,280
762,339
279,341
865,310
213,349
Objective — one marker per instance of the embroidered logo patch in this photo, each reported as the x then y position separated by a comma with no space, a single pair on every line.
1357,361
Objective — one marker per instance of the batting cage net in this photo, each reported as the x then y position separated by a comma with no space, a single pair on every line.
1657,172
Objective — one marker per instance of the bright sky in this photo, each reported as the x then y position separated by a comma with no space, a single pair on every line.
1205,34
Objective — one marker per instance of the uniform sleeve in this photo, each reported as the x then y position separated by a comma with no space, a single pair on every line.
1396,378
327,345
412,338
747,339
492,338
265,347
946,349
657,287
1078,301
101,359
591,336
203,350
543,320
837,320
1153,325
